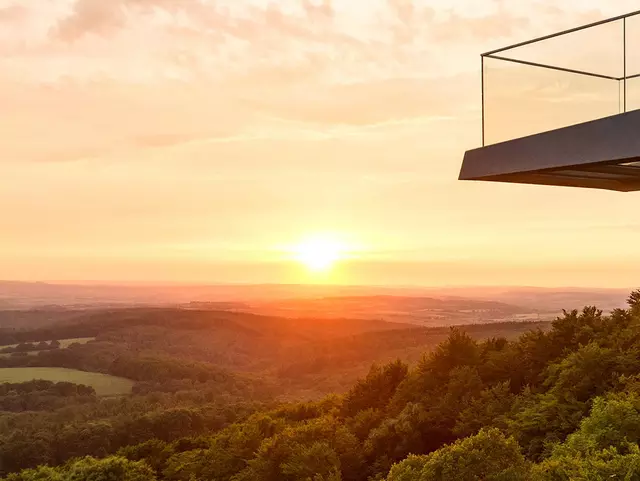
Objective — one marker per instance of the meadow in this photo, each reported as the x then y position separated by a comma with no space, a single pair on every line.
64,342
104,384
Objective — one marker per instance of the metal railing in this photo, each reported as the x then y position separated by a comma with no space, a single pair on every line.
553,112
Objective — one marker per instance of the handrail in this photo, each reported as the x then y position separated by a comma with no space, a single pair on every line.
564,32
552,67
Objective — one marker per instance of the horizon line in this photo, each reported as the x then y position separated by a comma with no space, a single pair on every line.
146,283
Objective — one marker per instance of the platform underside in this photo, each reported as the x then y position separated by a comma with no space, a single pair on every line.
601,154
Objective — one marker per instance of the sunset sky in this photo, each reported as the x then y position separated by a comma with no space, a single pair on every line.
202,140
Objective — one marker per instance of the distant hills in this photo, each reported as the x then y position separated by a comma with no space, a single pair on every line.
421,306
424,311
606,299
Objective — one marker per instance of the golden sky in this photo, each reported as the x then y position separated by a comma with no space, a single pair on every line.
194,140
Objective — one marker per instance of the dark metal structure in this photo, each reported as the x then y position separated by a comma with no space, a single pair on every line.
602,153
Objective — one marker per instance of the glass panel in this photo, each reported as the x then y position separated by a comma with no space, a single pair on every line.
521,100
633,62
633,94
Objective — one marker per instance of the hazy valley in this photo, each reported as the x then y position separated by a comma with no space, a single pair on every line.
429,307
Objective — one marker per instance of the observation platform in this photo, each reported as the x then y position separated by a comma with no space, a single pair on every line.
557,123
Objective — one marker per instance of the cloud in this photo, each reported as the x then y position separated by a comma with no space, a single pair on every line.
312,22
404,10
323,11
303,46
179,72
91,16
12,14
366,103
499,25
103,17
456,28
162,140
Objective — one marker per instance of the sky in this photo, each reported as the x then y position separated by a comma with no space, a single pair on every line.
202,140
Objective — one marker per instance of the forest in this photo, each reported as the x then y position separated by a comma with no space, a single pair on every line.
221,397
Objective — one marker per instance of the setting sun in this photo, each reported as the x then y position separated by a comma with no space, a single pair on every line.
319,254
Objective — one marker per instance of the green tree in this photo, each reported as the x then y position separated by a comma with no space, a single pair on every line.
634,302
42,473
364,422
486,410
588,372
575,329
376,390
433,371
537,421
315,462
606,464
90,469
298,450
487,456
108,469
604,447
614,422
417,429
154,452
230,451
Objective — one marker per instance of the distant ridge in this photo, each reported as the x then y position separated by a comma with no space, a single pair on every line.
16,294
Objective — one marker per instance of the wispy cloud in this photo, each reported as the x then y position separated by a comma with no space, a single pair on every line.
12,13
91,16
154,74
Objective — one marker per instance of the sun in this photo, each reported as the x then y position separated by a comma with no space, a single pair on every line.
319,254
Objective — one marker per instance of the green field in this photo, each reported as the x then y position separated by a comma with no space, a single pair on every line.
104,384
63,342
80,340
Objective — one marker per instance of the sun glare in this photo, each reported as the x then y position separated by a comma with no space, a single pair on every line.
319,254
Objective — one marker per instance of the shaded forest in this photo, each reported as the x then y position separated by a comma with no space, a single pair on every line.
502,402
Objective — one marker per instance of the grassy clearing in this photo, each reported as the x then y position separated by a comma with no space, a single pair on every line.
80,340
104,384
63,342
8,354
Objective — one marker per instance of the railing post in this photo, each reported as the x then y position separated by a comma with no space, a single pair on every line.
482,88
624,62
